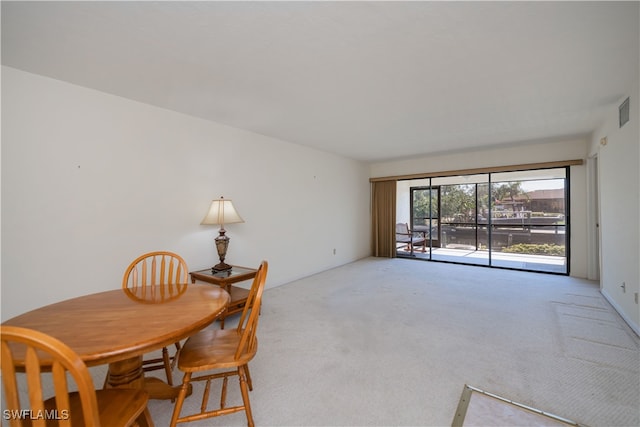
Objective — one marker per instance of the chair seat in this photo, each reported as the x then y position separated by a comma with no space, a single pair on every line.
116,407
410,239
215,347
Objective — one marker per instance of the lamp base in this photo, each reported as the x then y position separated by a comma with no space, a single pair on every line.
222,243
221,267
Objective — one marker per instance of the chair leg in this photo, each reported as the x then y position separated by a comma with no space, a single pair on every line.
245,396
180,400
167,365
246,371
174,359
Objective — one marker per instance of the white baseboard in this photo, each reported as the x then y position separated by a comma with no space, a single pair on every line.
617,308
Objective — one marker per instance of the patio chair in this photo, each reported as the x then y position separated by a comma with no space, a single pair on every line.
410,239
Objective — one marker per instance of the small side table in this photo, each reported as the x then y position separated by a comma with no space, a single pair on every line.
225,279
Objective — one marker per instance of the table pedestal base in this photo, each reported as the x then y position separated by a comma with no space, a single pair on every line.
129,374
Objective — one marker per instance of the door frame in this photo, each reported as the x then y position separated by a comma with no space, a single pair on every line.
433,242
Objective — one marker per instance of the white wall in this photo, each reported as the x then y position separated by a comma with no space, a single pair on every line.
90,181
534,152
619,194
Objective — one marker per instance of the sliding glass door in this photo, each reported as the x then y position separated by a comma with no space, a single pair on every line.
464,236
425,208
529,220
513,220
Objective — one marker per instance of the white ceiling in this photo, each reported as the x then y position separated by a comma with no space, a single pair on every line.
367,80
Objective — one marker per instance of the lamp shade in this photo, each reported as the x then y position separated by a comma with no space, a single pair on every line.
221,212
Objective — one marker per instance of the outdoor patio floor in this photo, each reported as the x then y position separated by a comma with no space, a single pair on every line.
542,263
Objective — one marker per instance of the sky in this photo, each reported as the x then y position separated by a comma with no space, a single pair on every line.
546,184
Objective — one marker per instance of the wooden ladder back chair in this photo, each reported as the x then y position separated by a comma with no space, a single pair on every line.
156,277
229,350
34,354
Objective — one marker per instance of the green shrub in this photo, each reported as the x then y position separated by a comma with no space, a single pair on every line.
535,249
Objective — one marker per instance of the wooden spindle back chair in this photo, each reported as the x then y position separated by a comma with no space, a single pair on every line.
35,354
223,349
157,277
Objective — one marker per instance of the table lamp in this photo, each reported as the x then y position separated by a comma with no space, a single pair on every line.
221,212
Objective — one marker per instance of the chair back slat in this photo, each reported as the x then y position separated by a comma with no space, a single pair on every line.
144,273
40,351
134,278
248,324
170,271
154,270
9,379
34,384
60,386
156,276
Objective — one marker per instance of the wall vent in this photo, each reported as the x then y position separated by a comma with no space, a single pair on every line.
624,112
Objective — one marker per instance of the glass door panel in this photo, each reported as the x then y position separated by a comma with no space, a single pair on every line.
482,192
425,208
462,234
528,229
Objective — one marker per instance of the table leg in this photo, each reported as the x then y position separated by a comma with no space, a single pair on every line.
128,373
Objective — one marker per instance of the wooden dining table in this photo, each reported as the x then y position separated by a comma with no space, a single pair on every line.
118,327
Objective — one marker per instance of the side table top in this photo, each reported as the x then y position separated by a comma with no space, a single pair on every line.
236,274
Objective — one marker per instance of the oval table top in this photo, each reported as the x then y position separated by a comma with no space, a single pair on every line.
115,325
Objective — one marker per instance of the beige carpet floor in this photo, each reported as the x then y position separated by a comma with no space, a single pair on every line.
392,342
386,342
